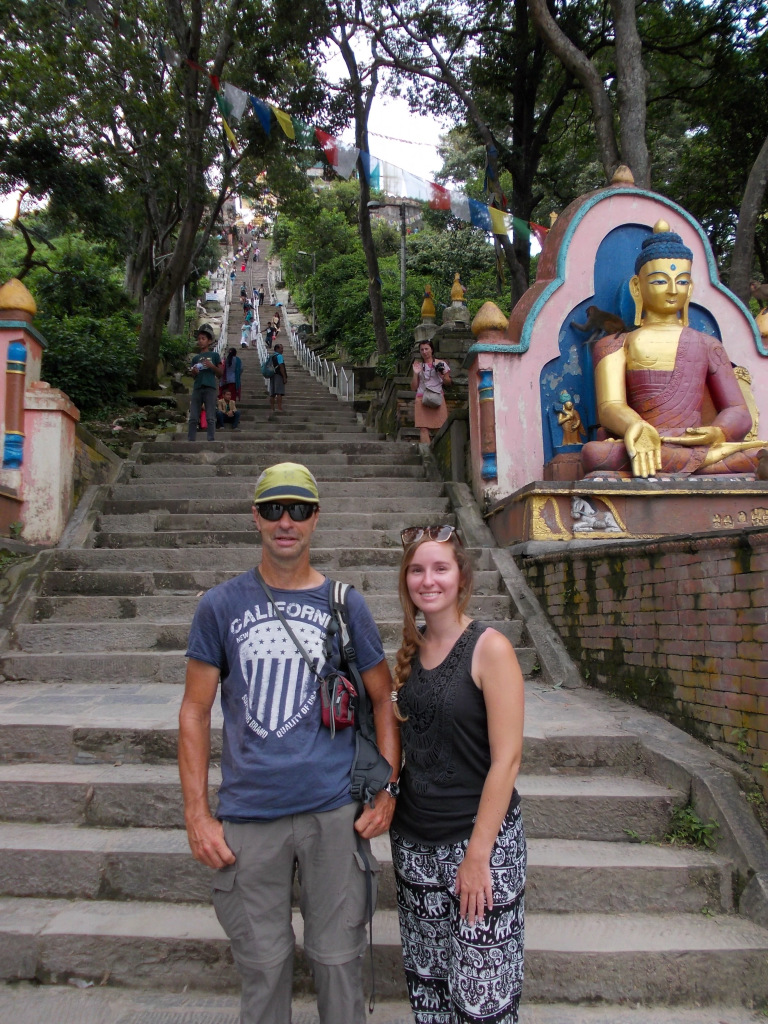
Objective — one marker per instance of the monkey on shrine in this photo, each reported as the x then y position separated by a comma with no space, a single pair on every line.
600,322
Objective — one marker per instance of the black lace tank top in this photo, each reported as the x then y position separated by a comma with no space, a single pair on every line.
445,746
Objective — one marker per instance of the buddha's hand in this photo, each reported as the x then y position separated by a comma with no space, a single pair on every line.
695,436
643,446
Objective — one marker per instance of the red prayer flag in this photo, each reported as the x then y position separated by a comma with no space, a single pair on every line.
439,197
539,231
329,146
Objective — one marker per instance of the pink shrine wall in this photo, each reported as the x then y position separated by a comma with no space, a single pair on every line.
39,494
566,278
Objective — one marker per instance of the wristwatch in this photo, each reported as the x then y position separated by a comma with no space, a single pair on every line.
393,789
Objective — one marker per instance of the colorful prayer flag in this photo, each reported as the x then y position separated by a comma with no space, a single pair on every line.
224,107
539,232
263,112
371,169
284,121
440,197
237,100
341,158
230,135
304,134
481,217
500,222
460,207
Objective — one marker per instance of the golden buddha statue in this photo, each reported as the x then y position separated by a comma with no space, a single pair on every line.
667,395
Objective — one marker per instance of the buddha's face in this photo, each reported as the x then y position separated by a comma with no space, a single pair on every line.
665,286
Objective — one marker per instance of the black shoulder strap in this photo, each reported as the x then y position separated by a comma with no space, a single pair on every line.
364,717
363,722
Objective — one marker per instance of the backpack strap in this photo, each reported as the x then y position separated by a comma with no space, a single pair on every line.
363,722
339,611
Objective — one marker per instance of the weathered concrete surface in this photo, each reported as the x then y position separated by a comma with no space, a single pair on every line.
95,877
31,1004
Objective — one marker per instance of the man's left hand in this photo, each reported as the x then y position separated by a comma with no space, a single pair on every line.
374,821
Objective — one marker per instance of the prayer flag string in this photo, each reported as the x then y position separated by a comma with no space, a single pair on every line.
380,174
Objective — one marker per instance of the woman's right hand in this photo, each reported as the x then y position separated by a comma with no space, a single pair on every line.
418,367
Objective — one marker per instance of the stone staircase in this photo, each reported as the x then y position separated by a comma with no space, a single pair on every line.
96,879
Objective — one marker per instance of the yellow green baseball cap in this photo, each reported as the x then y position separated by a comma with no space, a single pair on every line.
287,481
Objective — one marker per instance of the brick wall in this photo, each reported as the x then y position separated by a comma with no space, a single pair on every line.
680,626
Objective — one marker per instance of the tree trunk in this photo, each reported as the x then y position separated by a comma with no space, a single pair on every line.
584,71
744,244
176,320
136,268
372,265
631,84
158,301
362,105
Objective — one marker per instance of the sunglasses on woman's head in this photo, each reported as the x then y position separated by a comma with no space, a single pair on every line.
413,534
299,511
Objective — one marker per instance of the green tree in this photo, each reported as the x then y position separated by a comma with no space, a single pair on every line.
103,79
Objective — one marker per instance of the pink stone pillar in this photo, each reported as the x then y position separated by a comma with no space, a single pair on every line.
47,470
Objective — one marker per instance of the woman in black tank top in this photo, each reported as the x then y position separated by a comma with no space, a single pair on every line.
458,845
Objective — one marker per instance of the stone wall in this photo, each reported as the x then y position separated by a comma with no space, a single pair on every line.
94,463
679,626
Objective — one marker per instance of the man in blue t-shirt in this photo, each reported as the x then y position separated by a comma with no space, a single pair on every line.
284,798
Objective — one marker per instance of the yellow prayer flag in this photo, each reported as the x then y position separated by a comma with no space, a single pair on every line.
285,122
500,221
230,135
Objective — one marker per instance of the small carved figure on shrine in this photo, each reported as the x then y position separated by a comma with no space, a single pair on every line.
587,520
570,421
651,383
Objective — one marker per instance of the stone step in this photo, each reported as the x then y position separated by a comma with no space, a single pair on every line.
328,538
225,487
30,1003
287,426
61,861
179,609
666,959
127,583
134,723
419,509
132,666
149,796
291,451
375,523
383,456
237,557
323,474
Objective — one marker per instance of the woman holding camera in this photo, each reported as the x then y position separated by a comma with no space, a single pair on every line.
429,377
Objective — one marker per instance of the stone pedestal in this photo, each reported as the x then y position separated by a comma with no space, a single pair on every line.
628,509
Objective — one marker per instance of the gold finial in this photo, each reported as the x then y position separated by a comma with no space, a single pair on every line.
428,310
15,295
489,318
458,289
552,218
660,226
623,176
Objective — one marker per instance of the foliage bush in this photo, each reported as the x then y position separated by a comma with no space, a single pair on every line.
93,360
174,351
